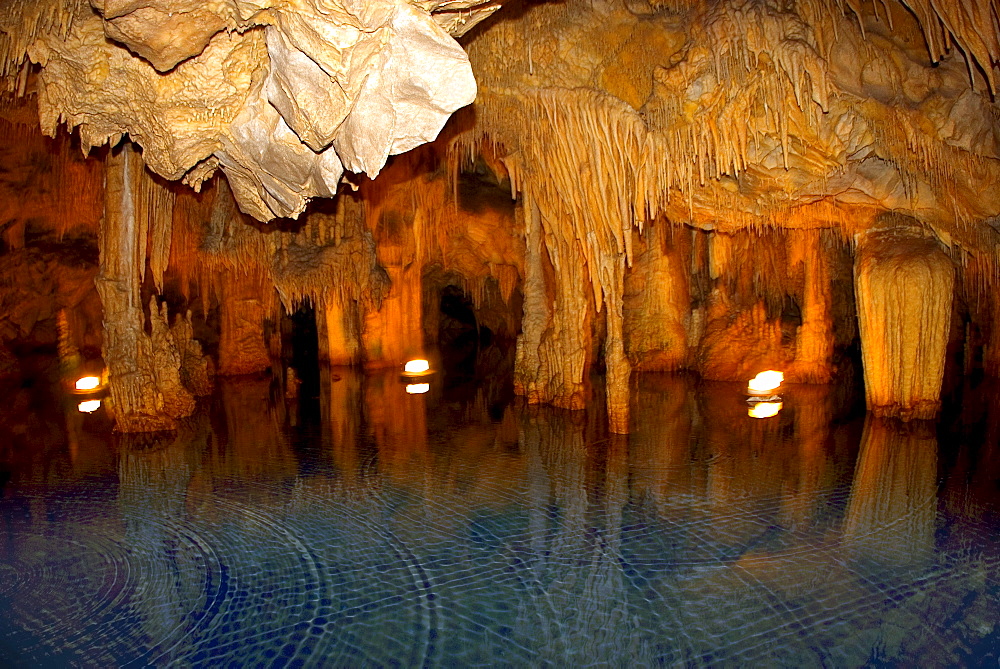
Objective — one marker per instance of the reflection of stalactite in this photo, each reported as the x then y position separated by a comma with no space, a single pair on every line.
812,472
251,443
893,505
660,447
154,474
398,422
340,406
575,607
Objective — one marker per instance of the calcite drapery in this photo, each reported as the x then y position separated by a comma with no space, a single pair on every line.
904,284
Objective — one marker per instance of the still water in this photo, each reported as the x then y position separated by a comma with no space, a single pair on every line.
359,525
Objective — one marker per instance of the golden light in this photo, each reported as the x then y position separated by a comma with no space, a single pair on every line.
765,382
416,367
88,383
418,388
764,409
89,406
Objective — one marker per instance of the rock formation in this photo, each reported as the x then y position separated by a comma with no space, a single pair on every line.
717,185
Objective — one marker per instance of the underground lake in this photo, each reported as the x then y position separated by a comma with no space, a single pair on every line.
348,522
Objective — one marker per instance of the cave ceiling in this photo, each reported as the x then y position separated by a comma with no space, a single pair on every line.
717,113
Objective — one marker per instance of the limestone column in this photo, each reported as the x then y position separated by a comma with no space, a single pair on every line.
339,331
814,338
991,350
657,303
243,310
904,284
618,369
143,371
553,350
393,334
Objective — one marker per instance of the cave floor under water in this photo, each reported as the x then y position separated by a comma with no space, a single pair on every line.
360,525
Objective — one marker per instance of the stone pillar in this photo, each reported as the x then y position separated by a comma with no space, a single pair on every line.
991,349
339,331
555,344
814,338
904,284
143,371
394,334
618,369
243,308
657,303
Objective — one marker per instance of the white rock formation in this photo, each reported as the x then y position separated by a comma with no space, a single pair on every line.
283,95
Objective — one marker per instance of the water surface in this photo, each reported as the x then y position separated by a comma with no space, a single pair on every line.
358,525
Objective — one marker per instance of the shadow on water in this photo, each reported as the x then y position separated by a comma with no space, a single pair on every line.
355,523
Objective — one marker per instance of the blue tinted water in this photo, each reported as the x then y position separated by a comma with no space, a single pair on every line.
369,527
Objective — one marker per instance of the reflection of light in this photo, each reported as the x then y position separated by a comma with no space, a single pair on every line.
418,388
88,383
764,409
765,382
416,367
90,406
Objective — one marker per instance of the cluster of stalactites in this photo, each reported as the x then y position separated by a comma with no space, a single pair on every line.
329,256
744,127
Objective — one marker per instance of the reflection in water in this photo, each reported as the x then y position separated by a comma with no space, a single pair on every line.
891,513
452,527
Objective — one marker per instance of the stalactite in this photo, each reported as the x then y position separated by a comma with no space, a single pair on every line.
971,26
904,284
24,21
156,211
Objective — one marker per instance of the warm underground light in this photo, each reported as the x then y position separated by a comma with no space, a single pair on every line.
765,381
88,383
764,409
418,388
89,406
417,367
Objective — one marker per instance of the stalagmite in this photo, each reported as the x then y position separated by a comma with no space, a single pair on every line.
904,284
